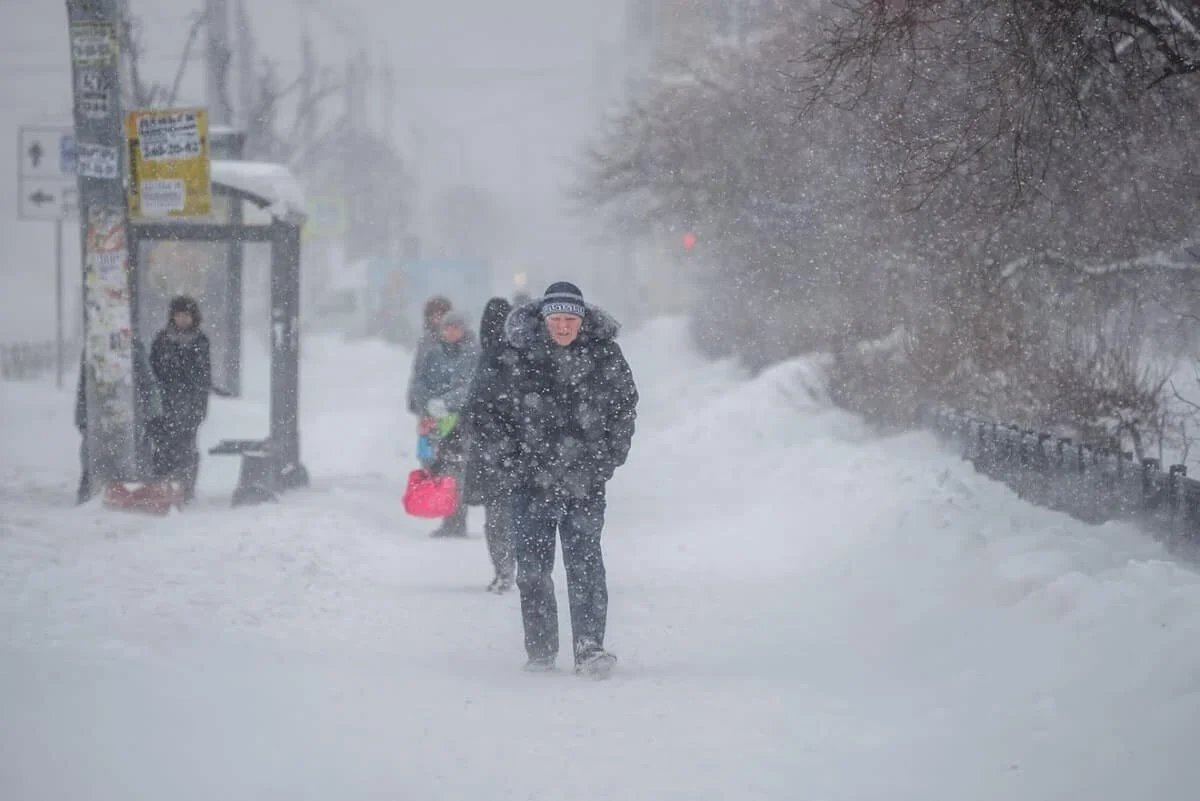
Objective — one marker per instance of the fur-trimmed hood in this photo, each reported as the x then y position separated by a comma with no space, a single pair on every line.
184,303
524,328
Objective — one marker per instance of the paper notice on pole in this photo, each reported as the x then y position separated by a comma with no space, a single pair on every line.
93,43
109,355
97,161
94,95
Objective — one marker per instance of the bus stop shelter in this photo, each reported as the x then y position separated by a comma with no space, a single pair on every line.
252,203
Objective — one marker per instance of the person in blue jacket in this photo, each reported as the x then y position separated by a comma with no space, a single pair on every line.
439,388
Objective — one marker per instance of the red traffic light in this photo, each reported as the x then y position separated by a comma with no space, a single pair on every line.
689,240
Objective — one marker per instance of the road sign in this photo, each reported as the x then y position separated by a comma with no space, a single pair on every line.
66,154
47,151
169,169
46,164
49,199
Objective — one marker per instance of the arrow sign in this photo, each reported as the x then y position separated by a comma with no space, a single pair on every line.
46,151
47,188
48,199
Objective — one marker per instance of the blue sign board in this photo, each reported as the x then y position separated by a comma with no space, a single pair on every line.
66,154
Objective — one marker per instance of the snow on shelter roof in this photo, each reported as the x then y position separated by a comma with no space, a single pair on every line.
274,184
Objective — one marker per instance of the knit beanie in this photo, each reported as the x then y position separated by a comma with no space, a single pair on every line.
563,297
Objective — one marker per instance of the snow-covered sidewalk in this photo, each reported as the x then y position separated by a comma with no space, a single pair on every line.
802,611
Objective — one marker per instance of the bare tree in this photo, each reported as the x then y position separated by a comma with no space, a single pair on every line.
152,94
791,228
937,197
296,122
989,95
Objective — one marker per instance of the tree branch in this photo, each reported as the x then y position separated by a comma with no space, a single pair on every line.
198,22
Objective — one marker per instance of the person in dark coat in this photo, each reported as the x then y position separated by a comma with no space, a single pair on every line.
181,361
487,483
561,422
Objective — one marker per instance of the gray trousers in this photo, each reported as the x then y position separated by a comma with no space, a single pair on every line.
498,529
578,522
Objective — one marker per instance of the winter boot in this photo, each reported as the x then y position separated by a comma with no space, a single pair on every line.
85,492
501,584
450,529
539,664
453,526
190,473
593,661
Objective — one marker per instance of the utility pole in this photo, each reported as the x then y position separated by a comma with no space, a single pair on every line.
217,61
351,171
355,77
389,103
245,68
369,77
306,134
387,134
114,450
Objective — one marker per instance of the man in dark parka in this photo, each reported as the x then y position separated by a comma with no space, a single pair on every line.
562,418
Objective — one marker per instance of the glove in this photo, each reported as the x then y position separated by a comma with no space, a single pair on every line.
436,408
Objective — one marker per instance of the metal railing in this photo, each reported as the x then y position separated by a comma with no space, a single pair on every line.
1095,483
26,361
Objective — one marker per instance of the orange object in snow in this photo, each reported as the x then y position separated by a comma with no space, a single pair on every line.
155,497
428,495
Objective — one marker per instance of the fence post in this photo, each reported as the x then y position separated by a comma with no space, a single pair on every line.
1039,477
22,361
1150,496
1012,457
1079,495
1124,480
1175,476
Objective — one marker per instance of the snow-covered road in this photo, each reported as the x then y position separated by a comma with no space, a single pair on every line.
801,610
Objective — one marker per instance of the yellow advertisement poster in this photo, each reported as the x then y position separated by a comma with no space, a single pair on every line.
168,163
